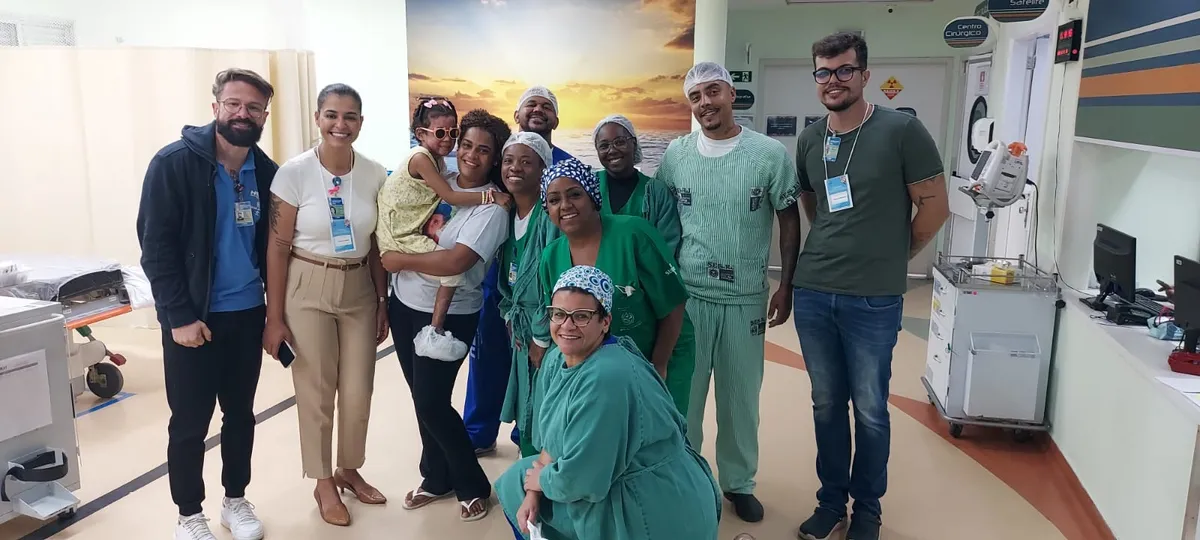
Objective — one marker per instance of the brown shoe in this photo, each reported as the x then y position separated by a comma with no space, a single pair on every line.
334,514
365,493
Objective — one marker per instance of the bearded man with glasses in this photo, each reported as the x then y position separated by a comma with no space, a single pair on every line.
203,248
861,170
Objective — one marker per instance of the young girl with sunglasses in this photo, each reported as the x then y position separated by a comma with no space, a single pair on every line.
412,195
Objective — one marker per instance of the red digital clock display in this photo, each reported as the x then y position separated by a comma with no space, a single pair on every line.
1070,41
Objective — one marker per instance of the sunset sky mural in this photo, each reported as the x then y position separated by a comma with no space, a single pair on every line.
598,56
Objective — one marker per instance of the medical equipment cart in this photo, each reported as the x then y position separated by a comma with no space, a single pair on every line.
991,334
38,444
90,291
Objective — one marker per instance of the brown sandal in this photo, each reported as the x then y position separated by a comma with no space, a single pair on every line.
365,493
336,514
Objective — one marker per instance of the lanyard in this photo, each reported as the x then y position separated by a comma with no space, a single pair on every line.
337,180
852,146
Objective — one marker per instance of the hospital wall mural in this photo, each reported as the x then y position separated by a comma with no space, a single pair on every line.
599,57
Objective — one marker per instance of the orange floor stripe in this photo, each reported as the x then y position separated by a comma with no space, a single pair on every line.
1036,470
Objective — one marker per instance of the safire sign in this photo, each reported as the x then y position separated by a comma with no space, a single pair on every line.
1011,11
966,32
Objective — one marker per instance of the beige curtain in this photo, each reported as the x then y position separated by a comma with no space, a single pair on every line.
80,127
82,124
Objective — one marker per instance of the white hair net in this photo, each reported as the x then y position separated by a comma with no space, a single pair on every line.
539,91
534,141
625,123
705,72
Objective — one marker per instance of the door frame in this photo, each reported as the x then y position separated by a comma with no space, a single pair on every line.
944,61
946,242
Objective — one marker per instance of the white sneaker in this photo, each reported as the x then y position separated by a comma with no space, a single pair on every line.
193,527
445,347
237,515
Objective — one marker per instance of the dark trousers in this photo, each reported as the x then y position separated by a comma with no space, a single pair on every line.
448,460
847,344
487,375
224,370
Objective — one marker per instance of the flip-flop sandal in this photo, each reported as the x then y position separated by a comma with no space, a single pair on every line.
418,498
466,505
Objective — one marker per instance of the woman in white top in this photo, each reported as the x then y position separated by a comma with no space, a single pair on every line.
326,292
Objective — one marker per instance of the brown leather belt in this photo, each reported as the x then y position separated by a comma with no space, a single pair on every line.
326,264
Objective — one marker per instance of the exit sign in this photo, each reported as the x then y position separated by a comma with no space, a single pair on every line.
740,76
1070,41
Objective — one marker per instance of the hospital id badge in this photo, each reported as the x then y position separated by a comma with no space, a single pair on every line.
831,148
512,274
837,192
243,214
340,228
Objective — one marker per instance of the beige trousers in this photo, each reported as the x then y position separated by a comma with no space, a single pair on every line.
331,313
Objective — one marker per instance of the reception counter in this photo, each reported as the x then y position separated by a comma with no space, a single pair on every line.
1131,440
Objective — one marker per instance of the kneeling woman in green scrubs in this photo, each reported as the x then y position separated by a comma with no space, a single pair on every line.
522,304
603,471
648,305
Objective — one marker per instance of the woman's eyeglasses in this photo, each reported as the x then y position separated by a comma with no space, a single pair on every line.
620,143
581,317
843,74
441,133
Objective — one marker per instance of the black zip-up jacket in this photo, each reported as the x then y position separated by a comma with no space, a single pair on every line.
176,223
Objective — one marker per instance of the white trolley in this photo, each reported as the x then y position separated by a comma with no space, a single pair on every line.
38,444
990,344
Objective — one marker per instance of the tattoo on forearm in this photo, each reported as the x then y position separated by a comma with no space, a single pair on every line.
921,200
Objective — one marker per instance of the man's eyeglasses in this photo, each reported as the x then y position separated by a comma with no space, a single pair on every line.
843,74
441,133
620,143
581,317
232,106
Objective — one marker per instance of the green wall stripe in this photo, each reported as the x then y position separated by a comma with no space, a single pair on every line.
1169,127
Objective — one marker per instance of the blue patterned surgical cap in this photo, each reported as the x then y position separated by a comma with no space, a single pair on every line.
590,279
575,170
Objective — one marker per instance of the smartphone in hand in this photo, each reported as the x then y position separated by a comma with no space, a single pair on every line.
286,354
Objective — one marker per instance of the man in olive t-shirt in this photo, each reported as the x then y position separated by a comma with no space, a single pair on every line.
861,169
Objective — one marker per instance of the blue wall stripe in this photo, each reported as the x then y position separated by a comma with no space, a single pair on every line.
1109,17
1153,100
1169,60
1145,39
111,401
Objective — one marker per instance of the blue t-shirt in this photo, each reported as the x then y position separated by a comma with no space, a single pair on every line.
237,284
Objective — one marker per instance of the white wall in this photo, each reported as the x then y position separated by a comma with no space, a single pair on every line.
360,43
1149,195
1138,488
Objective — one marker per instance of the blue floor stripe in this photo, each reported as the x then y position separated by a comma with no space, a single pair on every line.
111,401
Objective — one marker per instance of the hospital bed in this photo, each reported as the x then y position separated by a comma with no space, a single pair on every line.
90,291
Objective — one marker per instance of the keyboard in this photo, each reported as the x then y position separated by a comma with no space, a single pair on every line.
1148,304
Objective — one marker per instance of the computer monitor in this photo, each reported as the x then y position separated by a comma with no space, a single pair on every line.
1187,300
1114,260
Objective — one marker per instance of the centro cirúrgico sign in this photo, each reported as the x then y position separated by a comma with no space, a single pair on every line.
967,32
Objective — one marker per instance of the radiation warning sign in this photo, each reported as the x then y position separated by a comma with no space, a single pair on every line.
891,87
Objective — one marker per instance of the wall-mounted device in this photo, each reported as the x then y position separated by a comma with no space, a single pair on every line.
1070,41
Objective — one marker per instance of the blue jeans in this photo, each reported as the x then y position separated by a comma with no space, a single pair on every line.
847,344
490,361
